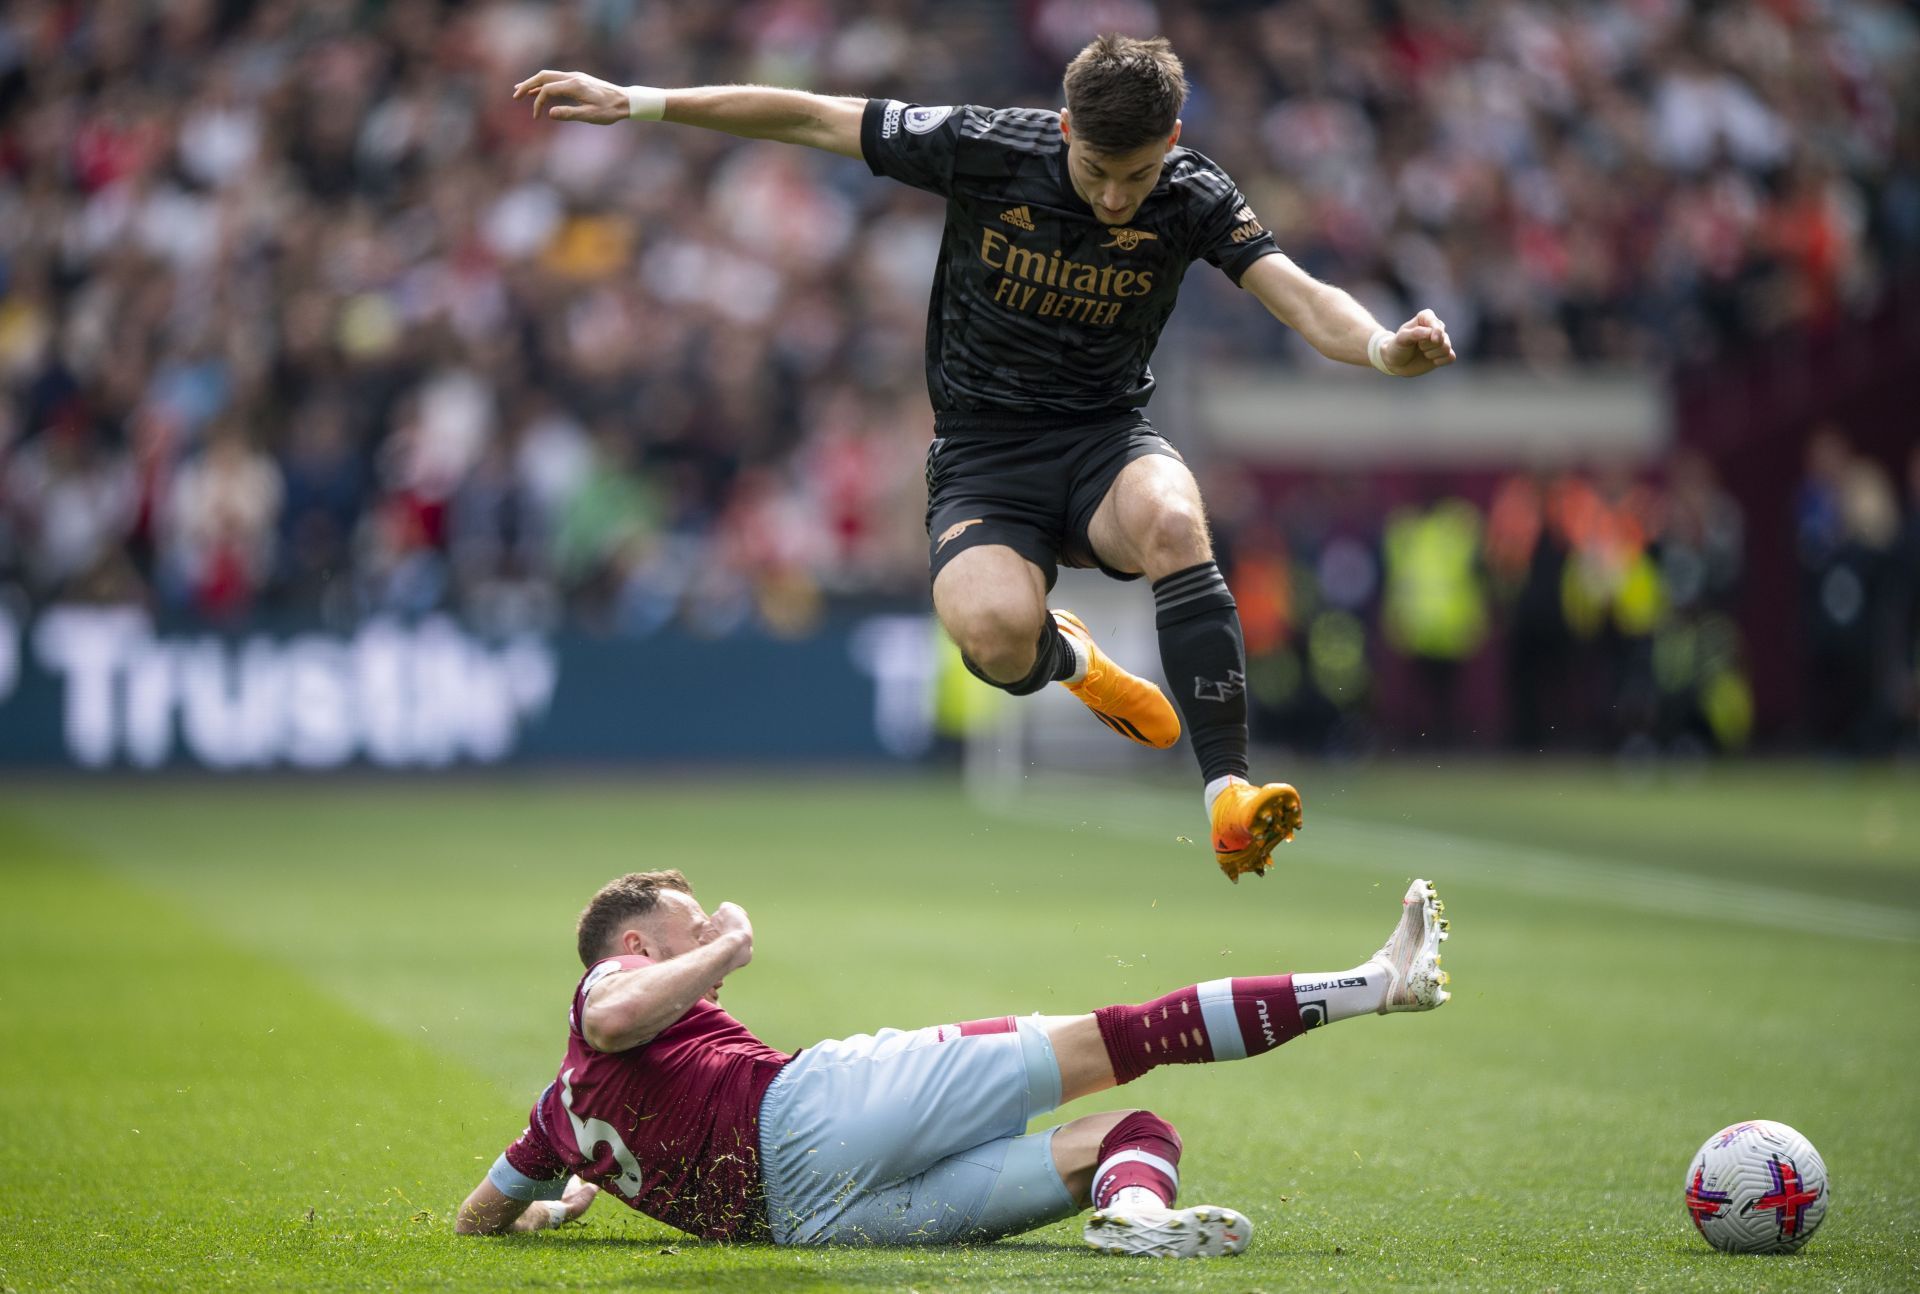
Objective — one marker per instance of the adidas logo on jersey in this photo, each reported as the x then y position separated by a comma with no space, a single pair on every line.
1018,217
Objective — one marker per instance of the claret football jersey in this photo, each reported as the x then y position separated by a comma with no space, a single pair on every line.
670,1127
1040,312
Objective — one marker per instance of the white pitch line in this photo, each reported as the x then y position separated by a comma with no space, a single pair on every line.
1523,869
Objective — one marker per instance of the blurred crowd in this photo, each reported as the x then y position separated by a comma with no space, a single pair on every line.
1573,611
1859,547
1634,181
300,313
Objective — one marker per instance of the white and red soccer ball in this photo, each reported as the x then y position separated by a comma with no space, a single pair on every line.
1757,1188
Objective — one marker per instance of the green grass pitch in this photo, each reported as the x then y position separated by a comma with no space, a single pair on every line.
266,1035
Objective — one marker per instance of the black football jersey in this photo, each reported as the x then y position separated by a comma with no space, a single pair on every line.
1040,312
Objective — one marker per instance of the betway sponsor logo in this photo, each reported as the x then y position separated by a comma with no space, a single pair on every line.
1054,287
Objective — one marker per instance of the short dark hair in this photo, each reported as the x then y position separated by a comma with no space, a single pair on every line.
618,902
1124,93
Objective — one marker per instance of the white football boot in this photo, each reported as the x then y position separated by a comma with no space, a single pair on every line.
1203,1231
1415,981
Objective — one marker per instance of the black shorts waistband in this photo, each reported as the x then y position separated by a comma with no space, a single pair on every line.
961,423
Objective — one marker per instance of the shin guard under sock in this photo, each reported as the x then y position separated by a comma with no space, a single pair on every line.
1223,1019
1206,665
1140,1153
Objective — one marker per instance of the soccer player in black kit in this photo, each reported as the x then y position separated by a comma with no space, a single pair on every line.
1066,238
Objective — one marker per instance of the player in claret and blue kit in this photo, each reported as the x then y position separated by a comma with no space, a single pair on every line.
1067,234
897,1137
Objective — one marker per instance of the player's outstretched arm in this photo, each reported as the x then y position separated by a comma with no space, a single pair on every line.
489,1212
1340,328
750,111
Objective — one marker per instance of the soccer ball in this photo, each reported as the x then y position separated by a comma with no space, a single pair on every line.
1757,1188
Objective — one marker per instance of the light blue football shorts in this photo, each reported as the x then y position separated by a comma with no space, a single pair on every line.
912,1137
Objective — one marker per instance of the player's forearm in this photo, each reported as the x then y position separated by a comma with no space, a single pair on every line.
1336,325
628,1010
540,1215
487,1212
506,1216
490,1212
764,112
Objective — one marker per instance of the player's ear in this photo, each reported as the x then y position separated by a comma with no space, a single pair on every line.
1066,130
1174,138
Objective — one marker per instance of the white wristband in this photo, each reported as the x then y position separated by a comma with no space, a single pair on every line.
644,103
556,1212
1374,344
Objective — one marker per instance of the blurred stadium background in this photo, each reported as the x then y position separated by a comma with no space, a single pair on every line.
330,377
351,420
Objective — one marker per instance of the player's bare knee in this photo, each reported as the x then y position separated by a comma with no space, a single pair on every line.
1076,1150
999,637
1175,537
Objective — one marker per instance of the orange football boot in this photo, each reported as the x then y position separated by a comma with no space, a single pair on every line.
1248,821
1131,706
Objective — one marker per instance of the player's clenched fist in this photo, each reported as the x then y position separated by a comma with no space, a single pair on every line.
1419,346
731,919
575,96
574,1201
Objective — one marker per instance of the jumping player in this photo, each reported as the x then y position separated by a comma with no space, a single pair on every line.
898,1137
1067,234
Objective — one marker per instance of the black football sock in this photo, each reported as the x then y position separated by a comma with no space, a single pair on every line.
1053,660
1206,665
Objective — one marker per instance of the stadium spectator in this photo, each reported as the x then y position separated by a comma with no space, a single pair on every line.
1907,603
1434,603
1849,528
329,228
1697,659
72,501
220,526
325,484
1526,557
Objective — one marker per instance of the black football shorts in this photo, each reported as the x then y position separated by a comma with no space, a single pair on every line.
1035,493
